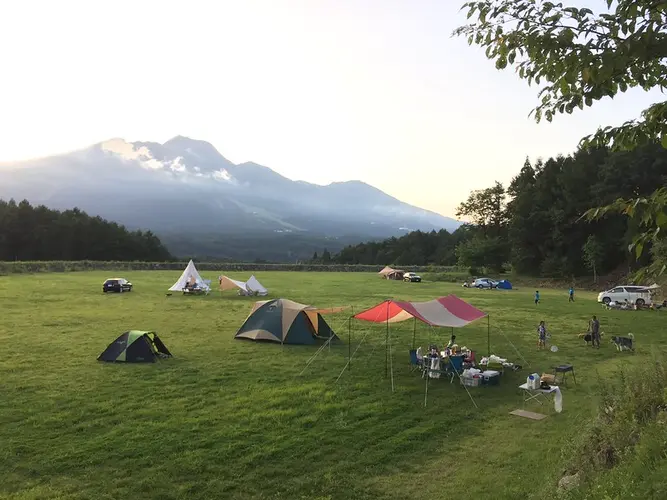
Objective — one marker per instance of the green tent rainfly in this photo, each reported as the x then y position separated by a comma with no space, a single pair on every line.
286,322
135,347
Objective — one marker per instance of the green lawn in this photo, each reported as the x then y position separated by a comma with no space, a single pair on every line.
235,419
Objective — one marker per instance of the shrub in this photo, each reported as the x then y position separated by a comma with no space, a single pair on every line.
621,441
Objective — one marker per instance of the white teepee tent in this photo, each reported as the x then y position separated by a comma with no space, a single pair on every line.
190,274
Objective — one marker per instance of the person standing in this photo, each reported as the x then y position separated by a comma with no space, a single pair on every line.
541,335
571,294
595,332
537,296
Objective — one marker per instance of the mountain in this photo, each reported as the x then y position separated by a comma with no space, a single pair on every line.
184,189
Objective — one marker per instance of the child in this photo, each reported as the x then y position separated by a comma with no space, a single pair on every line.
537,297
571,292
542,335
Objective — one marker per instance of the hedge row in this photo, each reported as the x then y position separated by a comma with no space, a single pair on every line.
87,265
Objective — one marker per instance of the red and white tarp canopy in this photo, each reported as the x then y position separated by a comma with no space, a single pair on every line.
447,311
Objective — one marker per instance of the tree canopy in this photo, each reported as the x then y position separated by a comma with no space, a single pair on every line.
415,248
534,224
38,233
579,57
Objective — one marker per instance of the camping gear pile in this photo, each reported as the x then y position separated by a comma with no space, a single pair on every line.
497,363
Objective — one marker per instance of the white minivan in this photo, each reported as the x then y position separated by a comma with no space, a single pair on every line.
639,295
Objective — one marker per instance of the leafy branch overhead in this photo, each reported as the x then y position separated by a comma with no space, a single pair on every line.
579,57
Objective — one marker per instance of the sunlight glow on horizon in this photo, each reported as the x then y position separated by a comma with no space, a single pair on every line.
371,90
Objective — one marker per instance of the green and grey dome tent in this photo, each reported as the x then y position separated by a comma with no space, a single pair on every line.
287,322
135,347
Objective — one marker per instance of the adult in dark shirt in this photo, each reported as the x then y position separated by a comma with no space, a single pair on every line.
595,332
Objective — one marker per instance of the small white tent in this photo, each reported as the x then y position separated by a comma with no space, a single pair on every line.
227,283
256,287
190,275
251,287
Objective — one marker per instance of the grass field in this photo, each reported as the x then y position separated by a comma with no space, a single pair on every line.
235,419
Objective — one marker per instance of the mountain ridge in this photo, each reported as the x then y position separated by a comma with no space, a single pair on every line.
187,185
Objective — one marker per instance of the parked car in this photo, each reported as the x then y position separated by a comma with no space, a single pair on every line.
119,285
484,283
639,295
412,277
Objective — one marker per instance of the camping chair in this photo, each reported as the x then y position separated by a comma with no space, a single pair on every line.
454,367
415,362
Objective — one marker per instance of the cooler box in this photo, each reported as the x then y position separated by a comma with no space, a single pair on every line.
471,381
490,377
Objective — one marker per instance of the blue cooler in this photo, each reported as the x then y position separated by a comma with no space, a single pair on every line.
490,377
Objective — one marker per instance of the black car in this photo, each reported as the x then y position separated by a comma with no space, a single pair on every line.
412,278
117,285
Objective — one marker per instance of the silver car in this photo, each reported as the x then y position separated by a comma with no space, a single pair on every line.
484,283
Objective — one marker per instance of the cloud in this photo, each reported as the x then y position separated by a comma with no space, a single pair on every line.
128,152
143,156
176,165
222,175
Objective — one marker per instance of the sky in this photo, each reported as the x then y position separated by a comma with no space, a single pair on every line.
321,91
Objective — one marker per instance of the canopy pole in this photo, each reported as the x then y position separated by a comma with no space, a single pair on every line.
414,332
386,351
391,364
349,342
488,335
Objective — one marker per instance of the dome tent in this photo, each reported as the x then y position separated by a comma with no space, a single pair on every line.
135,347
286,322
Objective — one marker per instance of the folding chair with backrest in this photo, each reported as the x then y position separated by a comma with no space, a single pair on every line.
454,367
414,361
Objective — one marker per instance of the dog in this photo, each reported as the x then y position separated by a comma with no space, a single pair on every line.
623,343
588,337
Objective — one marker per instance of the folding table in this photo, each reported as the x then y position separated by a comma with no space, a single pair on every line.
537,394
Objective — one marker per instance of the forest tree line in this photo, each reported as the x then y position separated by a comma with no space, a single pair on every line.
534,224
38,233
